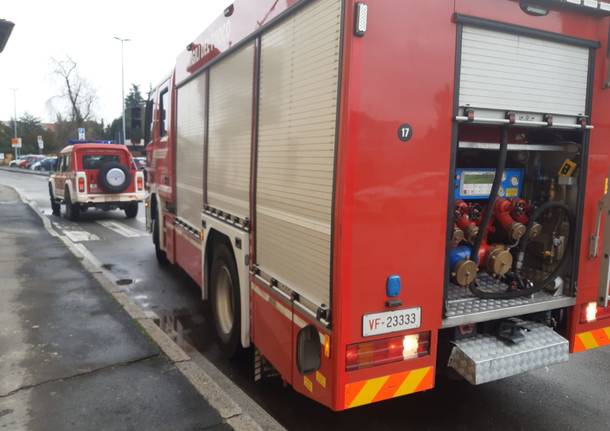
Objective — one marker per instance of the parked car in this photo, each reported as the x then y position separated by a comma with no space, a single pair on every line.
47,164
15,163
28,160
96,174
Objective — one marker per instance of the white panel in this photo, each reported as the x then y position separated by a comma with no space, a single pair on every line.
296,148
189,150
230,134
509,72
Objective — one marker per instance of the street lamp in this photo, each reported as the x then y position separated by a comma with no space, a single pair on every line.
122,82
15,119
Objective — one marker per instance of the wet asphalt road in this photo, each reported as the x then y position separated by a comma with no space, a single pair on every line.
572,396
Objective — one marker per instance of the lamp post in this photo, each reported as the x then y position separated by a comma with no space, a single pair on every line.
122,83
15,119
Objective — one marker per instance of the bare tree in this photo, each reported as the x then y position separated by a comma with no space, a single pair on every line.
77,92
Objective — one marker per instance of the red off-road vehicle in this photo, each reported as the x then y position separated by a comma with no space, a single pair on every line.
96,174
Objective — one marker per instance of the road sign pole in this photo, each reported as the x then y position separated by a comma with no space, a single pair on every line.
15,120
40,144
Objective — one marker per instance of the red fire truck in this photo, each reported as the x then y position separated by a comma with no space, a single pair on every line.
372,192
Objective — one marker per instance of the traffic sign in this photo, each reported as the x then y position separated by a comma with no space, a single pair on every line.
16,142
40,142
81,133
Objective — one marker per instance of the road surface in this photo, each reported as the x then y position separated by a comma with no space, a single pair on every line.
572,396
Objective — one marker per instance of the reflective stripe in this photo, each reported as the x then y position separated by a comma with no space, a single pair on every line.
308,384
298,321
410,384
592,339
369,391
284,311
385,387
321,379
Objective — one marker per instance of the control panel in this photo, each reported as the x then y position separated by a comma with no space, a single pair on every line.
475,183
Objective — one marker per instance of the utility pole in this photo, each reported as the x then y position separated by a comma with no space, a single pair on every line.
15,119
122,83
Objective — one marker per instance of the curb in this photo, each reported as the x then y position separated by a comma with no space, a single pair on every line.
24,171
205,385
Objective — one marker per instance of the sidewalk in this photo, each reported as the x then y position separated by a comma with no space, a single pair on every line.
25,171
70,356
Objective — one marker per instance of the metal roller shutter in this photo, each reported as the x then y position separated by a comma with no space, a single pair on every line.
299,81
189,150
230,133
510,72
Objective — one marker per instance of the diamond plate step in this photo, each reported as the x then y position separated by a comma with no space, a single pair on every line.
463,307
485,358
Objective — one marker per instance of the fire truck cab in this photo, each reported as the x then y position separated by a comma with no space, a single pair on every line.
372,192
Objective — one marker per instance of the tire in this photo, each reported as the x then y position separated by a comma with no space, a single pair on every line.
55,206
160,254
225,300
72,210
114,177
131,210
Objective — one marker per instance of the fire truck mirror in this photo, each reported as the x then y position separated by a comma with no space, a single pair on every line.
148,111
309,350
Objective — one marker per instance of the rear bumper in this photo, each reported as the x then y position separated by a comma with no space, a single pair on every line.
101,199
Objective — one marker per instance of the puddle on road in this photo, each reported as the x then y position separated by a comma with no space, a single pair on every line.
186,330
194,333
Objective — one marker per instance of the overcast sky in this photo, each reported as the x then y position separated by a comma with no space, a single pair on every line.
84,30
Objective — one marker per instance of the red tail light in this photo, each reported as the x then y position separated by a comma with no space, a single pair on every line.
139,183
81,184
388,350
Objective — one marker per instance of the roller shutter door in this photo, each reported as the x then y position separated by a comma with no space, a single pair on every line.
299,81
230,133
511,72
189,150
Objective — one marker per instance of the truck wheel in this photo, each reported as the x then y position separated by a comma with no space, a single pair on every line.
161,255
55,206
72,210
224,296
131,210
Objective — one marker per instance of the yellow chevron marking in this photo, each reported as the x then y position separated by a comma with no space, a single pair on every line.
321,379
368,392
411,382
308,384
588,340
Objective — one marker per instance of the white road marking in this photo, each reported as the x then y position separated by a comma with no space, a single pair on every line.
80,235
120,228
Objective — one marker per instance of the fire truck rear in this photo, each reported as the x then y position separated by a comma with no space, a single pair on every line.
371,193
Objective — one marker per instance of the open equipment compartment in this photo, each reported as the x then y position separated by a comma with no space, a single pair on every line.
522,108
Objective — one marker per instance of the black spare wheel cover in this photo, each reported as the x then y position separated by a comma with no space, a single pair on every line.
114,177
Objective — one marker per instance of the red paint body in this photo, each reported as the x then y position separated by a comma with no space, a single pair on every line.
391,197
